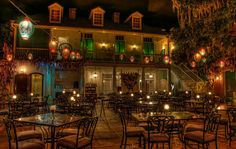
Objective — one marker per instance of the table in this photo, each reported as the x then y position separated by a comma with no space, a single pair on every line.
51,120
183,115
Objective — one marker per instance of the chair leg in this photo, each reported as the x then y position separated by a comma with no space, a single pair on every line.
140,138
216,144
169,144
185,146
144,143
122,140
125,142
226,131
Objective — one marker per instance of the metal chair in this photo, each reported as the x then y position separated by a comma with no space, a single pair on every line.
158,132
232,123
84,136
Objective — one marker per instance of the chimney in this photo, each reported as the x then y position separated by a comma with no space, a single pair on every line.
116,17
72,13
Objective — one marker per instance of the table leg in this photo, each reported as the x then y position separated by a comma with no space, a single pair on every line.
52,137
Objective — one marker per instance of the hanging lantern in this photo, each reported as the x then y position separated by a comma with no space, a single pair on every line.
59,57
221,64
65,53
132,59
170,61
193,64
77,55
53,46
146,60
72,55
30,56
9,57
122,56
204,59
197,57
151,58
26,29
202,51
166,59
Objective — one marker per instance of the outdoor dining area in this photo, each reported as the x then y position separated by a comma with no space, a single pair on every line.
160,119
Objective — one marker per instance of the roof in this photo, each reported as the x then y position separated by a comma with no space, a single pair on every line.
55,5
134,14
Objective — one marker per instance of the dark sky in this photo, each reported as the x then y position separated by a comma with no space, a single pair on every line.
156,12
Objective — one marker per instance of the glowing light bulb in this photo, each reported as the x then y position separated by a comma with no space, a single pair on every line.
166,107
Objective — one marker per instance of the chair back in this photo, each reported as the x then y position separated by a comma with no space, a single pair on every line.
86,128
231,115
160,124
11,132
123,121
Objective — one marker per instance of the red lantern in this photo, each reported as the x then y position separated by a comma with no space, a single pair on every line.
146,60
193,64
170,62
132,59
166,59
65,53
9,57
202,51
72,55
204,59
26,28
221,63
122,56
30,56
53,50
197,57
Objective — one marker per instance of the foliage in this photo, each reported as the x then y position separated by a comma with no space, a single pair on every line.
129,79
203,24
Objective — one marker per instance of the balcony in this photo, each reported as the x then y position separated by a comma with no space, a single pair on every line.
38,53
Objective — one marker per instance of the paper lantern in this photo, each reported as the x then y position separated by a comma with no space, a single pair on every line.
221,64
202,51
30,56
170,61
132,59
197,57
65,53
77,55
151,58
9,57
193,64
204,59
72,55
146,60
122,56
26,29
166,59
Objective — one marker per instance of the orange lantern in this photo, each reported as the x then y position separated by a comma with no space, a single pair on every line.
202,51
151,58
221,64
9,57
197,57
132,59
77,55
30,56
193,64
72,55
65,53
166,59
146,60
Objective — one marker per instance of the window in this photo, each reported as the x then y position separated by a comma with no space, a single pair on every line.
136,24
98,19
55,16
87,42
119,45
148,46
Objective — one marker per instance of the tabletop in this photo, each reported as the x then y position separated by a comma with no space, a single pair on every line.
50,119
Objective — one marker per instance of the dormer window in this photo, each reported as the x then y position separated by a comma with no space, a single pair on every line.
136,20
55,13
97,16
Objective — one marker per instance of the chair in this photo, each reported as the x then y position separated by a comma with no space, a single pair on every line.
207,135
84,136
134,132
16,142
158,132
232,123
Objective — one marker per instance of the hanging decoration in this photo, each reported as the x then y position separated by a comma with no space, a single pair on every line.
146,59
193,64
197,57
26,28
202,52
166,59
77,55
65,53
221,64
9,57
30,56
72,55
132,59
151,58
122,56
53,46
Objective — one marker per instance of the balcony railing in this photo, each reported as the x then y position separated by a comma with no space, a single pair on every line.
41,53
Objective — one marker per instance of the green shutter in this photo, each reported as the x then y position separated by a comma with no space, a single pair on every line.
122,47
119,47
151,48
90,45
145,49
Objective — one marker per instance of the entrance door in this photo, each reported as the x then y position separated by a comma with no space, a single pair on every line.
21,82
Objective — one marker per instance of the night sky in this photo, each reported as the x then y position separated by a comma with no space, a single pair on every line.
156,12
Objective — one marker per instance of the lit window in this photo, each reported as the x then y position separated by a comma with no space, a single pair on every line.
136,23
98,19
55,15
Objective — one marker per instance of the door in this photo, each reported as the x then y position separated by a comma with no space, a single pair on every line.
21,83
36,84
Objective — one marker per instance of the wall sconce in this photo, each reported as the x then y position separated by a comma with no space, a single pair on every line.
103,45
134,47
22,69
95,75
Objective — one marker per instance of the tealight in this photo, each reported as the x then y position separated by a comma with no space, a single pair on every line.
72,98
209,93
148,97
63,91
31,94
169,93
120,92
150,103
77,95
131,94
74,92
14,96
198,96
186,92
164,91
155,92
140,91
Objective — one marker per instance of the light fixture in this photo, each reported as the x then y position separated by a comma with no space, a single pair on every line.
131,94
74,92
202,51
155,92
148,97
30,56
197,96
95,75
170,93
72,98
9,57
166,107
150,76
140,91
78,95
186,92
209,93
14,96
120,92
63,91
197,57
31,94
26,28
